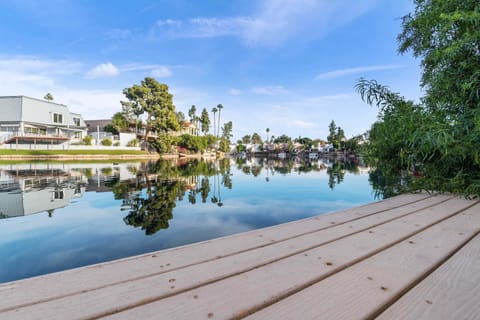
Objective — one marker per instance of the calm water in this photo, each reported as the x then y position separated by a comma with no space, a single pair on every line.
56,216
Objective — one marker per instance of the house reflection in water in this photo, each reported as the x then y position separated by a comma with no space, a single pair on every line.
25,190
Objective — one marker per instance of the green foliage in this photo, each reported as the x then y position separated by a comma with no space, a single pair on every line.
153,100
164,143
205,121
336,136
110,128
282,139
120,122
132,143
256,138
192,113
106,142
432,145
446,36
88,140
307,143
48,97
193,143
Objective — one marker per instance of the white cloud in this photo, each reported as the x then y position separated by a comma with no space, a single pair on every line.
273,23
201,27
161,72
270,90
30,64
348,71
156,70
304,124
103,70
235,92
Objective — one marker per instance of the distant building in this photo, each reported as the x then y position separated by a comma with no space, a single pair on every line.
189,128
29,120
97,125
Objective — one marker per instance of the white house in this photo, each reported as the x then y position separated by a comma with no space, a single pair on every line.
29,120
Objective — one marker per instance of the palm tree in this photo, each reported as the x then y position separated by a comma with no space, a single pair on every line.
214,110
219,107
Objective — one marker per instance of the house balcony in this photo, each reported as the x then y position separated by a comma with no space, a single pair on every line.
33,138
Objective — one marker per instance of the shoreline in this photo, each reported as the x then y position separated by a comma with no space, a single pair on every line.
153,156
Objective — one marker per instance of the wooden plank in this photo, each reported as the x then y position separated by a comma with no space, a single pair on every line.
450,292
363,290
98,276
276,279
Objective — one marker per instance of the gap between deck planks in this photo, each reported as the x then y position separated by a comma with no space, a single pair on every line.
187,291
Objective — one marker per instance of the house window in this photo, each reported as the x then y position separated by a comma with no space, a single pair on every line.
57,118
76,121
58,194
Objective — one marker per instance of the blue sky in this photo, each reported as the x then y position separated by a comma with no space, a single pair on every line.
287,65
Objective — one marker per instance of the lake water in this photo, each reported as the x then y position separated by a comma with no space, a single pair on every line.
57,216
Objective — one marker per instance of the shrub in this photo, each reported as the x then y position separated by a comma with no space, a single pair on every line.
88,140
132,143
106,142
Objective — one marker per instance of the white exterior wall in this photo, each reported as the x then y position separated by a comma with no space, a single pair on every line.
10,109
38,111
125,138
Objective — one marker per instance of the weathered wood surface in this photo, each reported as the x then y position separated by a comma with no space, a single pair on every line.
395,259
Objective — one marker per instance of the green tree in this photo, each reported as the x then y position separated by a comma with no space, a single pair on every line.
246,139
332,134
437,139
153,100
267,131
219,108
180,117
283,139
205,121
120,122
110,128
214,111
48,97
445,35
256,138
226,136
192,113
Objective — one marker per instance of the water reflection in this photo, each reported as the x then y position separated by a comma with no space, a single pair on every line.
94,212
149,191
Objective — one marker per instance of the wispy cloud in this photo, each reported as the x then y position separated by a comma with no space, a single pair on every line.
272,23
270,90
304,124
202,27
235,92
156,70
30,64
103,70
349,71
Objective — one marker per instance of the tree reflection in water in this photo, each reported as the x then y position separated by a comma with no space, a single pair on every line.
152,196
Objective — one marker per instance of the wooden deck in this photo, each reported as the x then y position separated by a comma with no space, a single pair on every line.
408,257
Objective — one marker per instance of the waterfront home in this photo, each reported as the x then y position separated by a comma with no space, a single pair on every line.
27,120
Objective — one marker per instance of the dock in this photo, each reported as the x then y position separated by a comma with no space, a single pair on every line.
414,256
